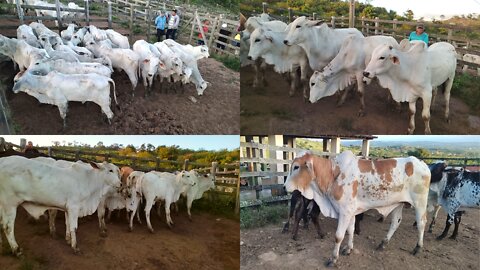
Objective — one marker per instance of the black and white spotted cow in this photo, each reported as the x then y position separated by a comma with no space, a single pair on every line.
455,189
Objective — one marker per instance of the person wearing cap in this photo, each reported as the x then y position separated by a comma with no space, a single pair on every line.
173,22
419,34
206,23
160,23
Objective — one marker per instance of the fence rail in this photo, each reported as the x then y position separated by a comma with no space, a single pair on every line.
258,188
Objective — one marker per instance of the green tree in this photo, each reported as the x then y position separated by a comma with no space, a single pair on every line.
408,14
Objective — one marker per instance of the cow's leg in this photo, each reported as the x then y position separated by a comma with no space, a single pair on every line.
351,229
109,216
427,100
448,87
448,223
304,69
133,79
68,237
148,208
168,202
73,224
8,222
411,125
457,220
132,216
358,218
434,217
361,94
396,219
101,218
159,208
315,219
343,223
421,218
138,217
189,206
257,69
299,209
293,202
52,214
434,95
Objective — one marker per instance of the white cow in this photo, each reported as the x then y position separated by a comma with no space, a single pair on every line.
413,74
118,39
58,89
69,32
203,183
155,186
20,52
66,67
320,42
38,187
198,52
97,33
124,59
347,67
173,64
25,32
149,63
285,59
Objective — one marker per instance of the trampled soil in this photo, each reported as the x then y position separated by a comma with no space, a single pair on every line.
268,248
209,242
270,110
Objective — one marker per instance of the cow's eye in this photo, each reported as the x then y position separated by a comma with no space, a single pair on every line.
298,26
381,58
295,167
111,171
257,40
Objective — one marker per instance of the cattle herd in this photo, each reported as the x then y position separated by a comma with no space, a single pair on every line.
77,64
80,188
346,186
335,59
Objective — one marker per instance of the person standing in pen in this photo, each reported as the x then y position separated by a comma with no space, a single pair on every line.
160,23
173,22
419,34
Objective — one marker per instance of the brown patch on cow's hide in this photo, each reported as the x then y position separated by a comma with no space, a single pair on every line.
426,181
397,188
354,188
385,168
337,191
125,172
365,166
409,168
324,174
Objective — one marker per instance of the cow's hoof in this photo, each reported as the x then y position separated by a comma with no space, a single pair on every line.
151,230
18,252
190,218
453,237
77,251
103,233
320,235
295,238
290,94
440,237
381,219
382,245
284,230
130,229
361,114
430,230
346,251
330,263
357,232
417,250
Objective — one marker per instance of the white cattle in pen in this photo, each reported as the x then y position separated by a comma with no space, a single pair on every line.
78,36
414,74
346,68
320,42
204,183
199,52
69,32
155,186
38,187
118,39
58,89
25,32
20,52
97,33
190,62
149,63
124,59
173,63
66,67
40,29
44,12
285,59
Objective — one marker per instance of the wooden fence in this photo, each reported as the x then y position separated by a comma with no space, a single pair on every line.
397,29
226,175
262,185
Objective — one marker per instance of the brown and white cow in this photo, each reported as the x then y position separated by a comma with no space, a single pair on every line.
345,186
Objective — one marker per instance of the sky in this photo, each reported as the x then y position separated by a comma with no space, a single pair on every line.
429,8
195,142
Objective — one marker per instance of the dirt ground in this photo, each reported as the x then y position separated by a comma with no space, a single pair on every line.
269,110
216,112
209,242
268,248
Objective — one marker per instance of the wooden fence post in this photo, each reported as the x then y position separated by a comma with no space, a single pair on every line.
314,16
23,143
49,151
264,7
157,163
107,159
131,23
110,14
213,170
185,165
333,22
212,34
351,14
363,24
200,27
290,15
77,155
394,27
3,147
147,20
450,34
342,21
377,25
237,197
87,13
19,11
59,15
367,29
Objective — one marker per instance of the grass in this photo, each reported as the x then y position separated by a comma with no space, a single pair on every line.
220,205
467,88
230,62
263,215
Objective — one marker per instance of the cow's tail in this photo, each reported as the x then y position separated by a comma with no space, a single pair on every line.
114,94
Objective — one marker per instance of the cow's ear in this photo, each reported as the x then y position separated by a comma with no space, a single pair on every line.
94,165
146,60
314,23
395,60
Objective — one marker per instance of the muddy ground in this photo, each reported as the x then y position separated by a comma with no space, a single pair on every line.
268,248
216,112
270,110
209,242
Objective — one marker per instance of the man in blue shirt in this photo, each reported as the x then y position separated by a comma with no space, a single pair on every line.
419,34
160,23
